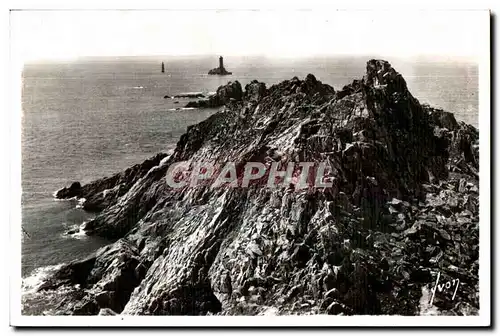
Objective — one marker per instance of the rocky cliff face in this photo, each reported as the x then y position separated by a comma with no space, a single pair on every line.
403,207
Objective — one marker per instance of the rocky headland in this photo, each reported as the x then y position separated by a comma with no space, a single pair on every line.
403,207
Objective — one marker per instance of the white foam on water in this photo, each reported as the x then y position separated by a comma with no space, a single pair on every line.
79,234
80,203
31,283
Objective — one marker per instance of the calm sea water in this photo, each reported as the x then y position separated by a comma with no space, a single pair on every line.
86,119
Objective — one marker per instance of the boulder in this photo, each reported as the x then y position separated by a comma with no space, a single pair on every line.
74,190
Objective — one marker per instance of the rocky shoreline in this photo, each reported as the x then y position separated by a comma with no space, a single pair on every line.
403,208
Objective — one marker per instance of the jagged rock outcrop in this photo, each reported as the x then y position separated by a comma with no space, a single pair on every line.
232,91
102,193
255,90
403,207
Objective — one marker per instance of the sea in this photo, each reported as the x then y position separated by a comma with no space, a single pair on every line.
88,118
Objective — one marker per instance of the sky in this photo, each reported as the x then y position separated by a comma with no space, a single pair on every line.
46,35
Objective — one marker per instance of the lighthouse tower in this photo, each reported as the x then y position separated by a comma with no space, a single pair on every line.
220,70
221,63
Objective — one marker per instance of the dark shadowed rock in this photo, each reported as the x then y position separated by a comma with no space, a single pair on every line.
74,190
255,90
199,104
443,119
106,312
